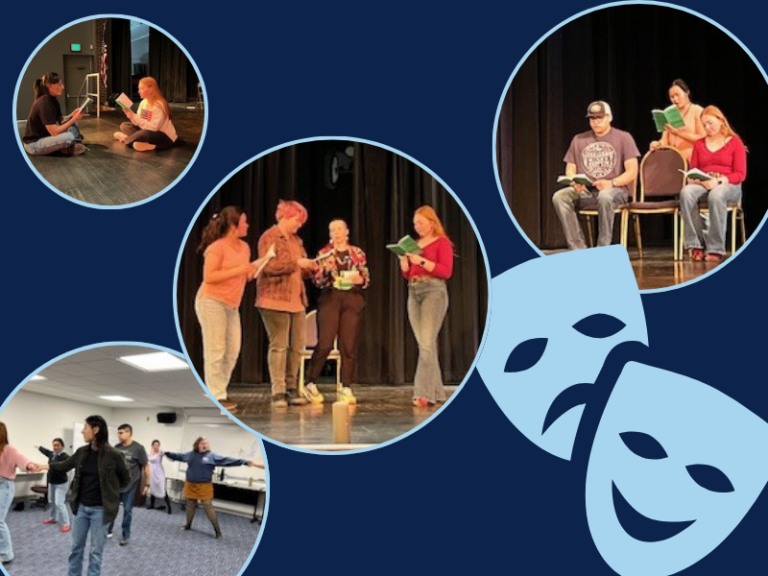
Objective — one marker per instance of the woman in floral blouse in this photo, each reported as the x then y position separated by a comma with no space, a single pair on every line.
342,275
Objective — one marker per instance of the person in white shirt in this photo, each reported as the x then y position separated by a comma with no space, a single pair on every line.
151,127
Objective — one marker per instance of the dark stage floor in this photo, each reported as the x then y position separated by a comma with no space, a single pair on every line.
382,413
110,173
658,269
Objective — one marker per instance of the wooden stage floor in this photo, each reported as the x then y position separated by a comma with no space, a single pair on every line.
658,269
382,413
110,173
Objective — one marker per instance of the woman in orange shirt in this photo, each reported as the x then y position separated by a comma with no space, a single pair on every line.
682,138
227,268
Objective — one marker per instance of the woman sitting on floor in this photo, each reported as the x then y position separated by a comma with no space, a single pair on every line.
152,126
722,155
46,132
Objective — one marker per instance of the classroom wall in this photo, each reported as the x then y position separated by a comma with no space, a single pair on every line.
50,58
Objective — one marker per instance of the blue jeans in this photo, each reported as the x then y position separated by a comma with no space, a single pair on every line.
127,499
6,499
51,144
567,201
427,305
717,199
57,497
88,519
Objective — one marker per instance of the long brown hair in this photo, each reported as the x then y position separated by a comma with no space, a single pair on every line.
157,95
196,445
42,85
429,213
219,225
725,129
3,437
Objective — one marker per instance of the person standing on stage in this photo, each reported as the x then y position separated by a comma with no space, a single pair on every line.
608,157
10,460
136,457
427,274
282,300
199,482
57,486
227,268
723,156
101,473
342,275
682,138
46,131
157,488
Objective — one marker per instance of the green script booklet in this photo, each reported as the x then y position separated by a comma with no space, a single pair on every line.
669,115
696,174
582,179
406,245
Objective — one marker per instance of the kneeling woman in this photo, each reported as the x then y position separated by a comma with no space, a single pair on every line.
199,483
428,301
152,126
722,155
342,275
46,132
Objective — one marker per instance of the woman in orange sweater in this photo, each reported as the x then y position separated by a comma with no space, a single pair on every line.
227,268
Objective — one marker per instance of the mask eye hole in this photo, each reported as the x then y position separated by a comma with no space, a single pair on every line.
710,478
526,355
643,445
599,326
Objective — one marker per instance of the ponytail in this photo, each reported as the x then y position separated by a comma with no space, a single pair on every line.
41,85
219,225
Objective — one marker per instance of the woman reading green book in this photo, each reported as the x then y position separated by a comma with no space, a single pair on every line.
682,138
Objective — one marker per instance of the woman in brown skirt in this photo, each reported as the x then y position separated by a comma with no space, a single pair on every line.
198,486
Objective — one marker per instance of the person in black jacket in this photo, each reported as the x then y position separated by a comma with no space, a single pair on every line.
57,486
101,473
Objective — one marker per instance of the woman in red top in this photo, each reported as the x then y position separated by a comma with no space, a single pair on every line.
722,155
227,268
428,301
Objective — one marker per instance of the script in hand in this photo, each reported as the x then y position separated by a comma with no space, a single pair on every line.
124,102
406,245
696,174
582,179
670,115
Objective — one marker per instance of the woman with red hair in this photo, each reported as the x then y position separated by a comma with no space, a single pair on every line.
282,300
722,155
427,273
151,126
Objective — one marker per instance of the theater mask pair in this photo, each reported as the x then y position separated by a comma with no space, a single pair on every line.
673,465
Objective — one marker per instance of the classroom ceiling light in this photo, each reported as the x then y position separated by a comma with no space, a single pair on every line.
116,398
37,377
155,362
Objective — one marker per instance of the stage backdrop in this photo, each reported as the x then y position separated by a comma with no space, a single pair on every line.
377,196
627,56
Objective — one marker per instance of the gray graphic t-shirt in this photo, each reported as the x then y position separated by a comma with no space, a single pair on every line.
603,157
136,458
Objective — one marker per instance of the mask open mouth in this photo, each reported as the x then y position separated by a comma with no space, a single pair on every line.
641,527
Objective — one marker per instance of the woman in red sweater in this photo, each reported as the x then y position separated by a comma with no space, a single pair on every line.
722,155
428,301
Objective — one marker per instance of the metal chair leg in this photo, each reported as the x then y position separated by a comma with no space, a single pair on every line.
675,216
733,232
638,235
743,229
589,232
681,242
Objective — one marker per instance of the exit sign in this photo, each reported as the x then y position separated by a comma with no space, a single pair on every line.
75,47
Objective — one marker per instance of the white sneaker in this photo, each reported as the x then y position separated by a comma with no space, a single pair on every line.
121,137
346,396
312,394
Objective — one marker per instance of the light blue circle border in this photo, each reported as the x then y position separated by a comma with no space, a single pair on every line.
362,141
175,353
51,186
536,45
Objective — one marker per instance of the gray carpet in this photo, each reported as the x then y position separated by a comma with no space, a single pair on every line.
157,547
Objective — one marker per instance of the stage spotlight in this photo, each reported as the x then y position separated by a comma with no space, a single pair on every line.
337,163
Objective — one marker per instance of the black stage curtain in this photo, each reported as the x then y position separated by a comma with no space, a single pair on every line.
119,48
377,197
627,56
171,68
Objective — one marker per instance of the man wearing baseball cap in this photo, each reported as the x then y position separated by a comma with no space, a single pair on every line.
608,156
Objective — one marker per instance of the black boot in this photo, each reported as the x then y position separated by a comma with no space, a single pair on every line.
168,503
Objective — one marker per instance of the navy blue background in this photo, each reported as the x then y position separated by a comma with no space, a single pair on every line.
467,492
